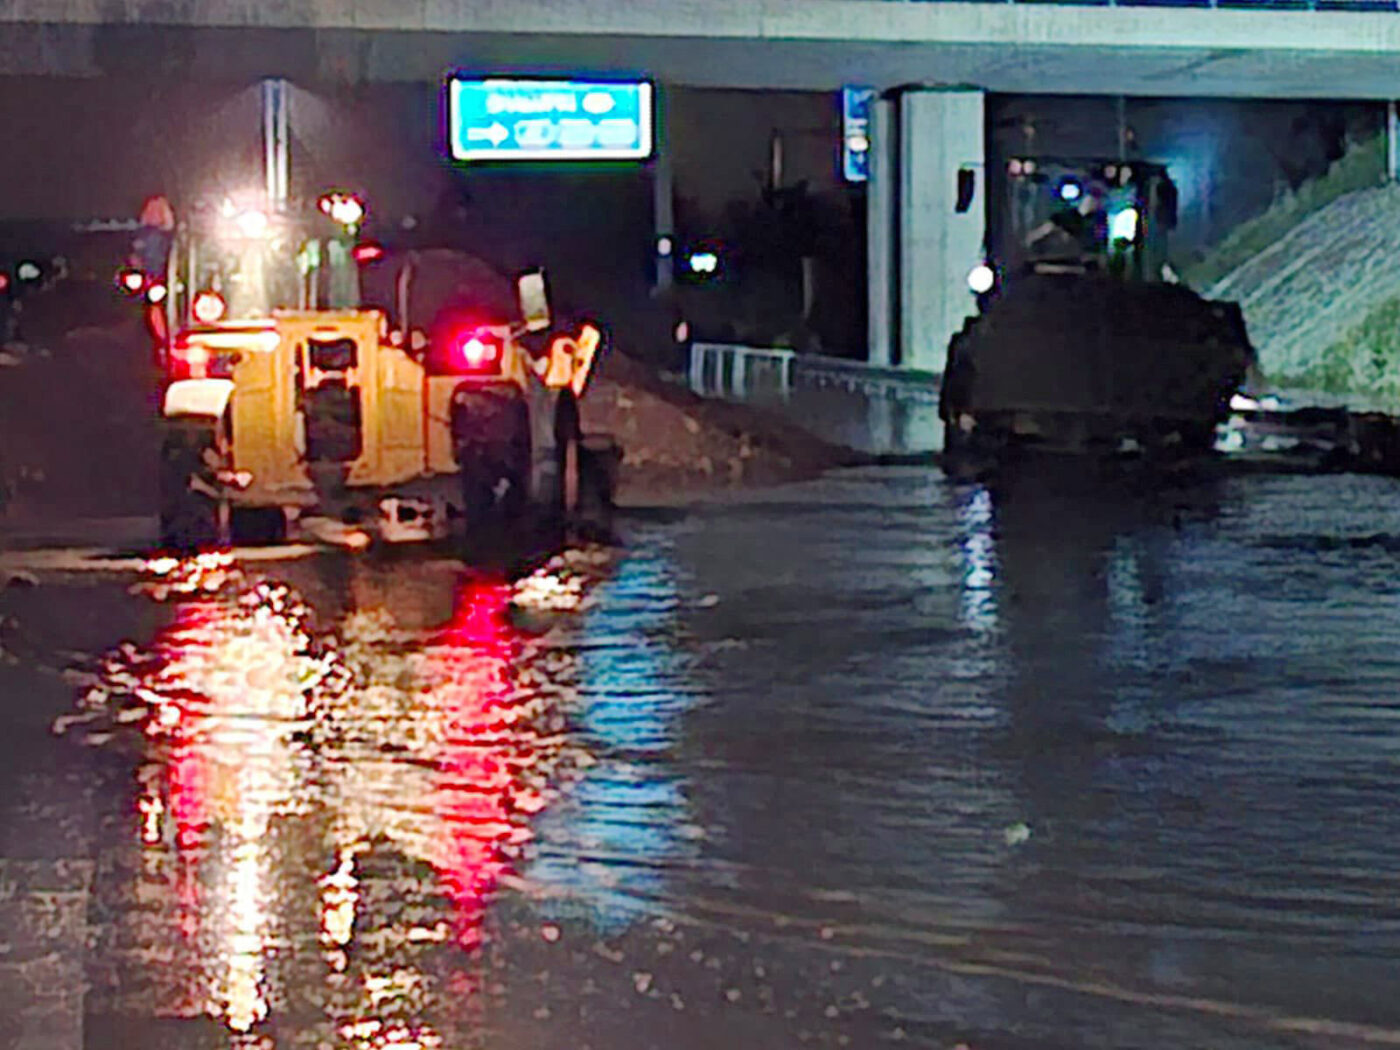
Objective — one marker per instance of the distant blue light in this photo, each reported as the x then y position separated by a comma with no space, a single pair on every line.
855,132
1070,191
704,262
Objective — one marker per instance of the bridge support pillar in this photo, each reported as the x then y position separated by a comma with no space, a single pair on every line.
942,218
1392,135
881,236
276,142
663,196
926,212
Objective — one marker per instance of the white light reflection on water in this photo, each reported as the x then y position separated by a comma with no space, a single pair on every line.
978,545
228,690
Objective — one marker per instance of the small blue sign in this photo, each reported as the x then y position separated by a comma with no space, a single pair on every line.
855,132
549,120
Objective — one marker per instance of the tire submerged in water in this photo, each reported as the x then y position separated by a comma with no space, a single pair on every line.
191,519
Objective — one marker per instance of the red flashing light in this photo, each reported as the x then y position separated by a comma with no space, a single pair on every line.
475,350
367,252
196,361
4,282
131,281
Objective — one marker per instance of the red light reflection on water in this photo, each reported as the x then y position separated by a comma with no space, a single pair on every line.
477,785
242,703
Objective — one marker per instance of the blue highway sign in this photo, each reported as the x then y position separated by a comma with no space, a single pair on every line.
855,132
549,120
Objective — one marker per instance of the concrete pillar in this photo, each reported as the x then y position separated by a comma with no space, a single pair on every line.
276,142
663,196
1392,126
881,242
940,135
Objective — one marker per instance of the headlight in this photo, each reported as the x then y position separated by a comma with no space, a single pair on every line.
208,307
981,279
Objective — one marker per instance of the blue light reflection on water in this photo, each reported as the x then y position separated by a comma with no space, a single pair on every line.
603,851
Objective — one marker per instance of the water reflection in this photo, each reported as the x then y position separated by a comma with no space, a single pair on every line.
1087,637
607,848
978,546
1083,565
1093,818
324,814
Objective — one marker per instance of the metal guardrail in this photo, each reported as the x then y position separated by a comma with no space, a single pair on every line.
731,371
725,370
885,411
903,384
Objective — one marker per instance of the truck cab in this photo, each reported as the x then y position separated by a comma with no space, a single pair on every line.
1077,216
1083,342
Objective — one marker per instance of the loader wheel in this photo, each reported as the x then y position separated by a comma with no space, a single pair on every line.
491,438
258,526
563,500
599,458
478,492
189,456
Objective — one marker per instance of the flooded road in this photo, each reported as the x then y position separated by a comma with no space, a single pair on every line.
875,760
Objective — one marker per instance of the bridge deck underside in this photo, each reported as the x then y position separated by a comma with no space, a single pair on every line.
1362,69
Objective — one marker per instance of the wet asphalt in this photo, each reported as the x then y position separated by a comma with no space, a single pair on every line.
875,760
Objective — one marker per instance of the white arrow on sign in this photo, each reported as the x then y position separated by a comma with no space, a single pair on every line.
495,134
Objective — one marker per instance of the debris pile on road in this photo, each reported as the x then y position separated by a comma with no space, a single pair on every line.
676,444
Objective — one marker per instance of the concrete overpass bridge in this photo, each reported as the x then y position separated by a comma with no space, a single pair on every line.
1248,48
936,59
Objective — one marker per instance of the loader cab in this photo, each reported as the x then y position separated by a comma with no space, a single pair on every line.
1084,216
234,259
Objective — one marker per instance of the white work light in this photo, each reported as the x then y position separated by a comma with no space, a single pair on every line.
1122,225
981,279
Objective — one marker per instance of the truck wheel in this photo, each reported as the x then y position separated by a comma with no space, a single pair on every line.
190,518
514,468
958,453
478,492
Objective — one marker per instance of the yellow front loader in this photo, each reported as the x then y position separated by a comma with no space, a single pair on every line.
333,423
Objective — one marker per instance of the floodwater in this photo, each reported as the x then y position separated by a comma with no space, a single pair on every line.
879,760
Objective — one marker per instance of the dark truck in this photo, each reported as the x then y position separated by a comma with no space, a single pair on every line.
1084,342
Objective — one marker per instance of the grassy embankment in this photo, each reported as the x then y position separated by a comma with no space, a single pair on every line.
1366,360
